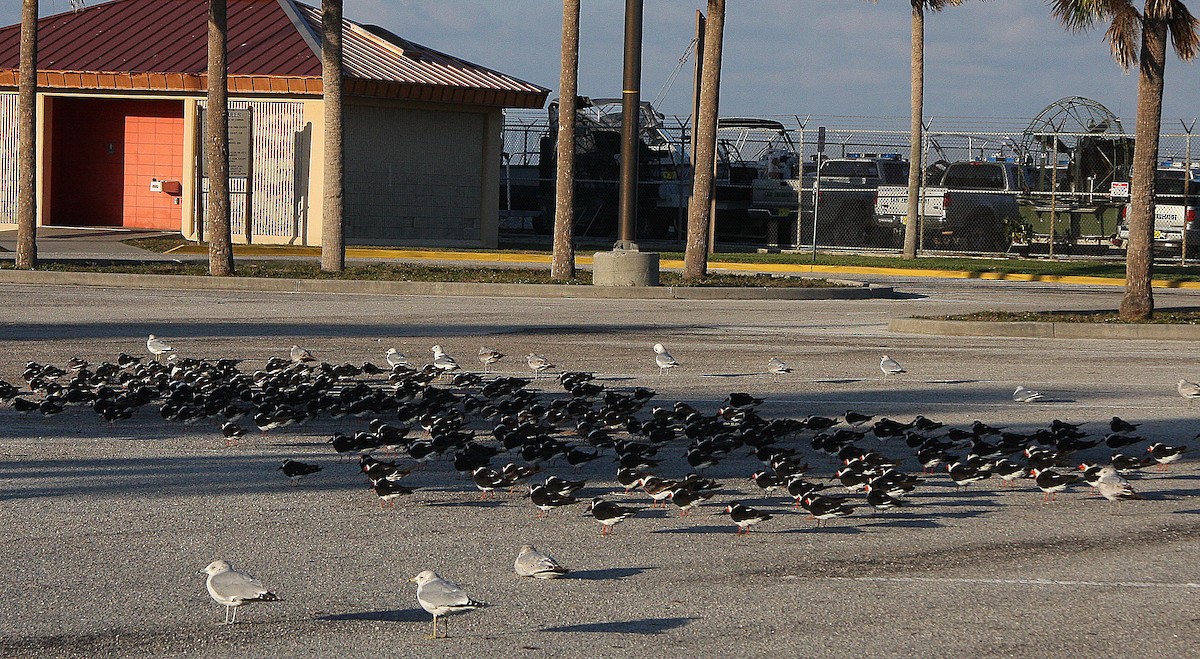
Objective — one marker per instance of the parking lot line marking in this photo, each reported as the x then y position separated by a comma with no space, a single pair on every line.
1025,582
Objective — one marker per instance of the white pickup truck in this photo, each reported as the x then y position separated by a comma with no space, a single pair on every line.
1174,208
972,210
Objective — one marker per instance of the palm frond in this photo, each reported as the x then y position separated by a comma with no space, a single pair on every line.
938,5
1183,26
1124,35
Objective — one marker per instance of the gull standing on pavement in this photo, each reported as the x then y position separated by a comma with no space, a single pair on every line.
663,358
157,347
890,366
442,597
232,589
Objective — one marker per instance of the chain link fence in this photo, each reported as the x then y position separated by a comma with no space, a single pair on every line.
1058,187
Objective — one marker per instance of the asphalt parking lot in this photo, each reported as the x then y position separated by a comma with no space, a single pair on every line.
106,526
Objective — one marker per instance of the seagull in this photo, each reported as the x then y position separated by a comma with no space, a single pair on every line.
890,366
232,589
776,366
442,361
157,347
532,562
295,470
538,363
489,356
396,358
299,354
1113,490
1025,395
1188,389
442,597
663,359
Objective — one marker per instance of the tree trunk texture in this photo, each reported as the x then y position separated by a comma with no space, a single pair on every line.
563,264
333,236
26,258
695,260
216,147
1138,301
912,228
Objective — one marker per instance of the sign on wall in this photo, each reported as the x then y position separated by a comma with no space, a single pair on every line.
240,142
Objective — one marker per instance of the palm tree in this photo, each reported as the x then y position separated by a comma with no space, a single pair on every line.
563,265
333,236
1158,21
216,147
27,139
917,77
695,256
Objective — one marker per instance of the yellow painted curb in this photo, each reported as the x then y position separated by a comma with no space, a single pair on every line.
776,268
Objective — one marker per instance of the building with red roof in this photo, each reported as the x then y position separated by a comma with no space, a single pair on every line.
121,89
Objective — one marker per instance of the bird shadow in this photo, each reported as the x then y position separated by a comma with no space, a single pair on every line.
844,530
728,375
608,574
1188,512
475,503
399,615
644,626
840,380
909,522
703,528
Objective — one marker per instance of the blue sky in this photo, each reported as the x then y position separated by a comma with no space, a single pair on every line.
1003,59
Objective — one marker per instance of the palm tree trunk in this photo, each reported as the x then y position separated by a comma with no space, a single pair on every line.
333,237
695,259
26,258
216,148
563,265
912,227
1138,301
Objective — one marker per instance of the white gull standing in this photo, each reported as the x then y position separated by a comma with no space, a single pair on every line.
663,358
232,589
442,361
1188,389
157,347
442,597
890,366
396,358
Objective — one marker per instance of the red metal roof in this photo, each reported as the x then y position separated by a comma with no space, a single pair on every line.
273,48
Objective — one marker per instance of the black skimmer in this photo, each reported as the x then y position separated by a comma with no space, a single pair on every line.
1051,482
964,474
608,514
826,508
687,498
1164,455
1121,425
233,432
388,491
745,516
547,499
295,470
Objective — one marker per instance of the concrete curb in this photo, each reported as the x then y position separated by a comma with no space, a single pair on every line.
1047,330
187,282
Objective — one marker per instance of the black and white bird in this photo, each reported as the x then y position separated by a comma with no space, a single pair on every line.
389,490
1052,482
535,563
744,516
232,432
1164,455
295,470
442,597
233,589
609,514
547,499
663,359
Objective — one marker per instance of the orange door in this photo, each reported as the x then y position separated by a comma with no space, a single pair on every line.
153,151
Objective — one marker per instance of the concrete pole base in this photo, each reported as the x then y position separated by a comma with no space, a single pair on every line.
625,268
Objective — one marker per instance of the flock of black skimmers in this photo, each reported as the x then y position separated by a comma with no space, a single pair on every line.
504,435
